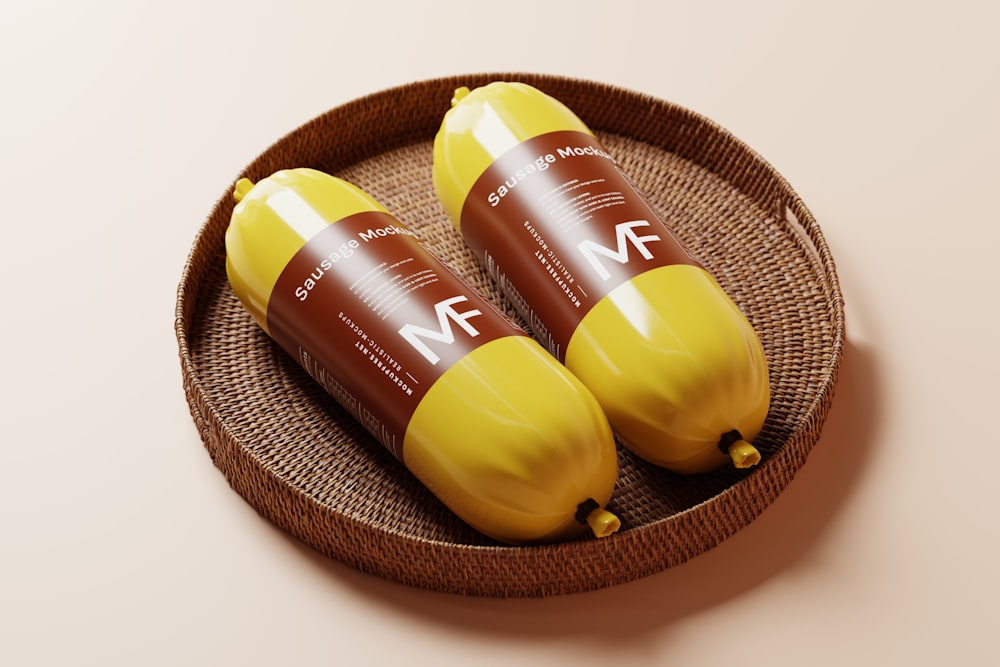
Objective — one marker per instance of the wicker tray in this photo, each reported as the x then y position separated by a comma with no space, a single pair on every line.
305,465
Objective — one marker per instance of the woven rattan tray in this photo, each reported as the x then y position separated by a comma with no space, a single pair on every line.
303,463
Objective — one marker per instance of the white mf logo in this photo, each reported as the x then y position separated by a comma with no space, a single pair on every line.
446,314
625,234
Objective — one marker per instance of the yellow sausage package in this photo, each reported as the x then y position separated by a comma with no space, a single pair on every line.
505,436
601,279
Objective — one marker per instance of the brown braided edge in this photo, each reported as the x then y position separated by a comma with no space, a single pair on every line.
409,114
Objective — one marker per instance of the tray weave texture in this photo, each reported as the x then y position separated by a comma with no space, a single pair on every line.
307,466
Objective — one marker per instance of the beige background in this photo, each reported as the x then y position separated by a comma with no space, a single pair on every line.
122,124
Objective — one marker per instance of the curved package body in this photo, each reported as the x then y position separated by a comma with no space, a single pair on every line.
507,438
601,280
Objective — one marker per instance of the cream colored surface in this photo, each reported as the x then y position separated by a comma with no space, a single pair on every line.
122,124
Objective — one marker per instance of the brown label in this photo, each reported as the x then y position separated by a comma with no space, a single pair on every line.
558,225
376,319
